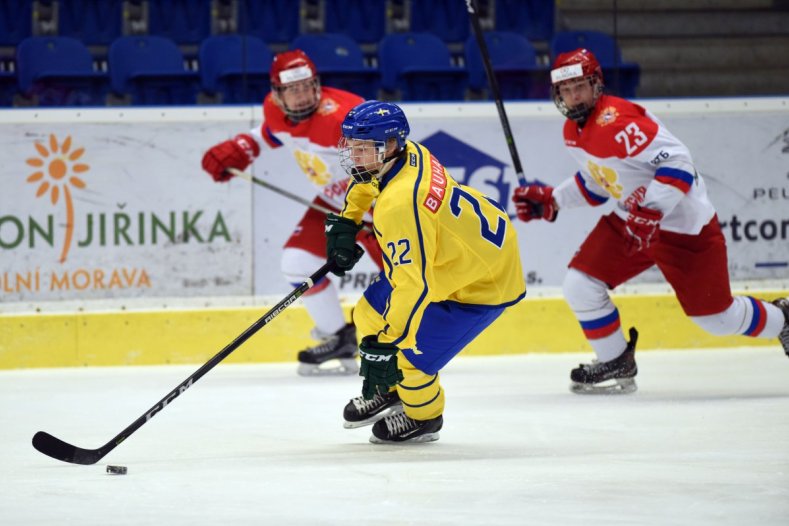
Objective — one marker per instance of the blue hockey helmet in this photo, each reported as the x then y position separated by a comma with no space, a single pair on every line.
378,122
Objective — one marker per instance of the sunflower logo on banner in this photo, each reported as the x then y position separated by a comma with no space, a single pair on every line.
56,168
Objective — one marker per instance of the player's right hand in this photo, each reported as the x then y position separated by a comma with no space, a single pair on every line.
341,247
238,153
535,202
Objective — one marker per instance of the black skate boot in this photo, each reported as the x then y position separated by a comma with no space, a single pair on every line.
783,336
360,412
402,428
613,377
339,350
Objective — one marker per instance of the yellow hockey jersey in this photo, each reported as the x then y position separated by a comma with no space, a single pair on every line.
441,241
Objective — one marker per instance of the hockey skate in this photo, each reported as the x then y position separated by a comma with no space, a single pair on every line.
783,336
614,377
401,428
334,355
360,412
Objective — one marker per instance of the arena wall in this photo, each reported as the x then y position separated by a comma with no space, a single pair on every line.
139,258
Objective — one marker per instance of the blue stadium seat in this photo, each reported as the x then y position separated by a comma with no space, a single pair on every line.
275,21
621,78
514,61
419,66
447,19
533,18
362,20
93,22
182,21
340,63
151,70
237,67
16,21
58,71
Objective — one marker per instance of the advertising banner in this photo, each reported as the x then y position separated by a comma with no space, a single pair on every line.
740,147
99,204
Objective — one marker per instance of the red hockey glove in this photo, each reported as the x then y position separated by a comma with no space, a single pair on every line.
643,228
237,153
535,202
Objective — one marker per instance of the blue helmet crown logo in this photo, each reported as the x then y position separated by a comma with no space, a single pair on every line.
378,121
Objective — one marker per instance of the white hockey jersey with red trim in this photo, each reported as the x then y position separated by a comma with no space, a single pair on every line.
626,153
313,141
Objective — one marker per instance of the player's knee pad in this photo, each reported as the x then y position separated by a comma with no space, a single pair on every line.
421,394
585,293
731,321
297,265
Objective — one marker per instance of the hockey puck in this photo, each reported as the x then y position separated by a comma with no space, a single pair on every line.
116,470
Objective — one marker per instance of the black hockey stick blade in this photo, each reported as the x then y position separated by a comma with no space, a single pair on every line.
59,450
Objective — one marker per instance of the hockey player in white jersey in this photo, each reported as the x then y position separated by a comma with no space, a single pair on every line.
663,217
305,118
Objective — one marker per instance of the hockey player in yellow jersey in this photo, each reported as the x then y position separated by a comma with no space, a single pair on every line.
451,267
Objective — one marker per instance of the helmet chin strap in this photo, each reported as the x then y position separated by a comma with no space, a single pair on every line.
389,161
580,114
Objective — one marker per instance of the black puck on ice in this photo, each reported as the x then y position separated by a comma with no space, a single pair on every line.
116,470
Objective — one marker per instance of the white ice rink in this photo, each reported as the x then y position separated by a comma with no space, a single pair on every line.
705,441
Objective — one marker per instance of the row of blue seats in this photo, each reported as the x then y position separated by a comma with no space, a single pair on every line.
150,70
99,22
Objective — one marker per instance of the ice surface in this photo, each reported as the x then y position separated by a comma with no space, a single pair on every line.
705,440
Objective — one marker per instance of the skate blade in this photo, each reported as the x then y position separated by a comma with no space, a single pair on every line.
427,437
341,367
610,387
395,409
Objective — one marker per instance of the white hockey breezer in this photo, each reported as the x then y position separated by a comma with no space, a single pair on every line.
613,377
336,354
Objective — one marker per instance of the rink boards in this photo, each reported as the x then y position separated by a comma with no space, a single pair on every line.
181,336
144,233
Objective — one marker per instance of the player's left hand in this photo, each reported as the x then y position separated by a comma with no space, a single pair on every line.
379,367
643,228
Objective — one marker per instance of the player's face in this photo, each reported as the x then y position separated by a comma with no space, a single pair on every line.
299,96
361,159
576,92
364,154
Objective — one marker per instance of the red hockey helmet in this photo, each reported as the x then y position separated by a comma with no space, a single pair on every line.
291,68
572,66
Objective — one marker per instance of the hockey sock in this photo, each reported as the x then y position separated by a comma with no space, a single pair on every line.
747,316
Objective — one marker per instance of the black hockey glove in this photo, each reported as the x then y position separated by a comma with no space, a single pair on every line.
341,247
379,367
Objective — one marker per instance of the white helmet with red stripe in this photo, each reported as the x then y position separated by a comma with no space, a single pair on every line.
296,87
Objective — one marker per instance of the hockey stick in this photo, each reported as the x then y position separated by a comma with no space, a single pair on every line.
278,190
285,193
471,5
60,450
